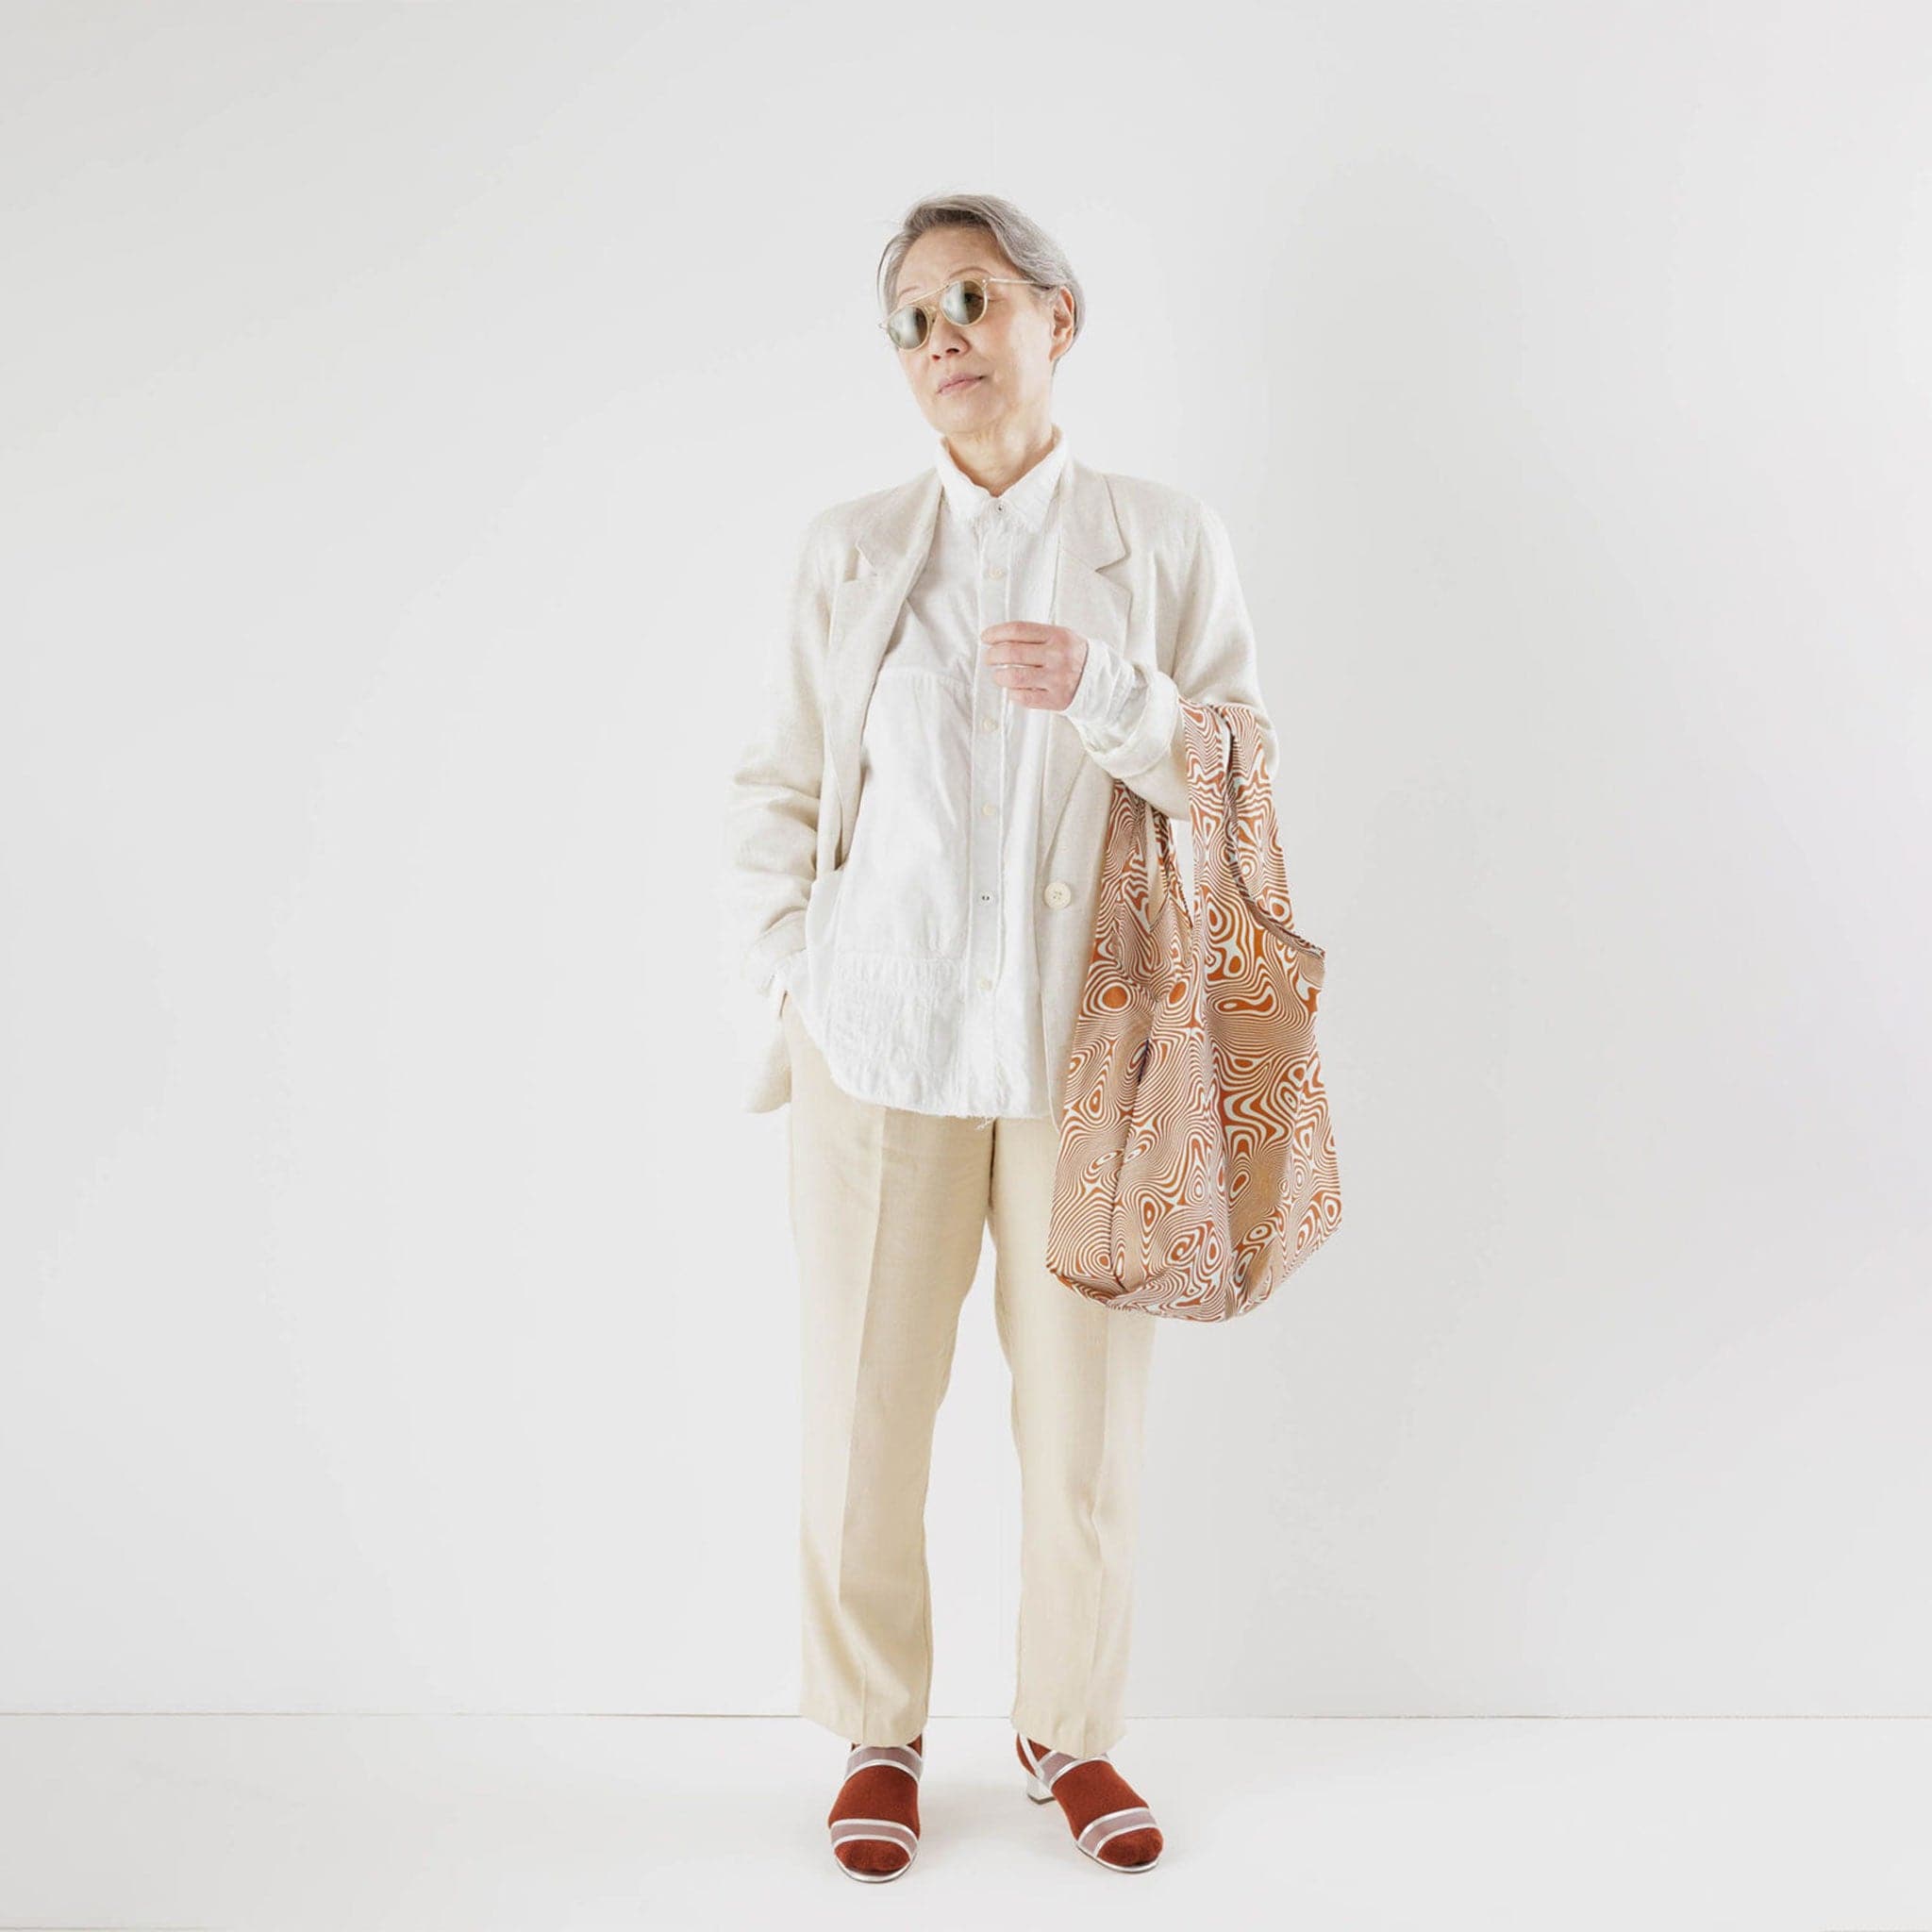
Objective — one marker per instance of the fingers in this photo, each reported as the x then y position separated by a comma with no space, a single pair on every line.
1027,643
1019,653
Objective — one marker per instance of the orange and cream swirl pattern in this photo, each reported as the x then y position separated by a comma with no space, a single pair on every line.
1196,1167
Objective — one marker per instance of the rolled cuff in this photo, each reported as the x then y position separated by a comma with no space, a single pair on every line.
1107,698
1148,718
785,938
781,980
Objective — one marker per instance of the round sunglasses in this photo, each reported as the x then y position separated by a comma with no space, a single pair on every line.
962,301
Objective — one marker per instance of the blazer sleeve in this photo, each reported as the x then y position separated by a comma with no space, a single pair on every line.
772,802
1214,662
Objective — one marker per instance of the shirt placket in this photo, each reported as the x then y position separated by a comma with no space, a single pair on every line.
985,948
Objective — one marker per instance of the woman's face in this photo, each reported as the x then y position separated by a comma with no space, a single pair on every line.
994,374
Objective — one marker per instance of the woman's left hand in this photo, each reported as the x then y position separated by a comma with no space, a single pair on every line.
1039,664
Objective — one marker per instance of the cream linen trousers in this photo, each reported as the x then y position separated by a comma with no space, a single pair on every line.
888,1210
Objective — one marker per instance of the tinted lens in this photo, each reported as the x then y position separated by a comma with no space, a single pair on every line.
907,327
963,302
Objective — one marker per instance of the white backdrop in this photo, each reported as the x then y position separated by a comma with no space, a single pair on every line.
409,416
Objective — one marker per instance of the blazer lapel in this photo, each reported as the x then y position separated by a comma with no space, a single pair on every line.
894,542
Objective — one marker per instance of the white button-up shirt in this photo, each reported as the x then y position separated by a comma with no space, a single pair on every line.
935,903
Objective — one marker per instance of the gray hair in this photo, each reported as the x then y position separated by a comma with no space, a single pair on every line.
1031,250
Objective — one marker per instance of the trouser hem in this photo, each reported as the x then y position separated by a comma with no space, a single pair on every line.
1077,1737
846,1724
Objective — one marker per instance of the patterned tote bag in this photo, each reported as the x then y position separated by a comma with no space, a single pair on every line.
1196,1166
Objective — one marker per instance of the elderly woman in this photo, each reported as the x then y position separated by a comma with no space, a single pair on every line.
975,656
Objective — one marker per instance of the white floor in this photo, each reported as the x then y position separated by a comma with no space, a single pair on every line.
574,1825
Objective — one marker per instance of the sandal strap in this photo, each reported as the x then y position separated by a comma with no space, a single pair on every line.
1048,1767
1134,1817
889,1831
903,1756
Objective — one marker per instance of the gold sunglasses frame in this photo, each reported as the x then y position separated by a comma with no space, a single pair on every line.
928,309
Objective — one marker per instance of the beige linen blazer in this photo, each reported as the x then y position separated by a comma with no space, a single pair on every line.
1145,567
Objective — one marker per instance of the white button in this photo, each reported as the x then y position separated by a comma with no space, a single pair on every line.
1058,893
985,984
985,811
996,573
989,724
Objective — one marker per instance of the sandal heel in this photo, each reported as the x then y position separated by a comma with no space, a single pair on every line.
1038,1791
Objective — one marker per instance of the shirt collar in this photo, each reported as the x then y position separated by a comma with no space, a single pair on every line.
1025,502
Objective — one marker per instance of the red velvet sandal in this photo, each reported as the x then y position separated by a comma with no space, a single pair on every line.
875,1818
1110,1823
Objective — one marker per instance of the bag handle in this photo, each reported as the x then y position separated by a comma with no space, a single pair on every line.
1235,786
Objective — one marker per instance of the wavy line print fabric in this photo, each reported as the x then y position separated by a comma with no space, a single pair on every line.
1196,1168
